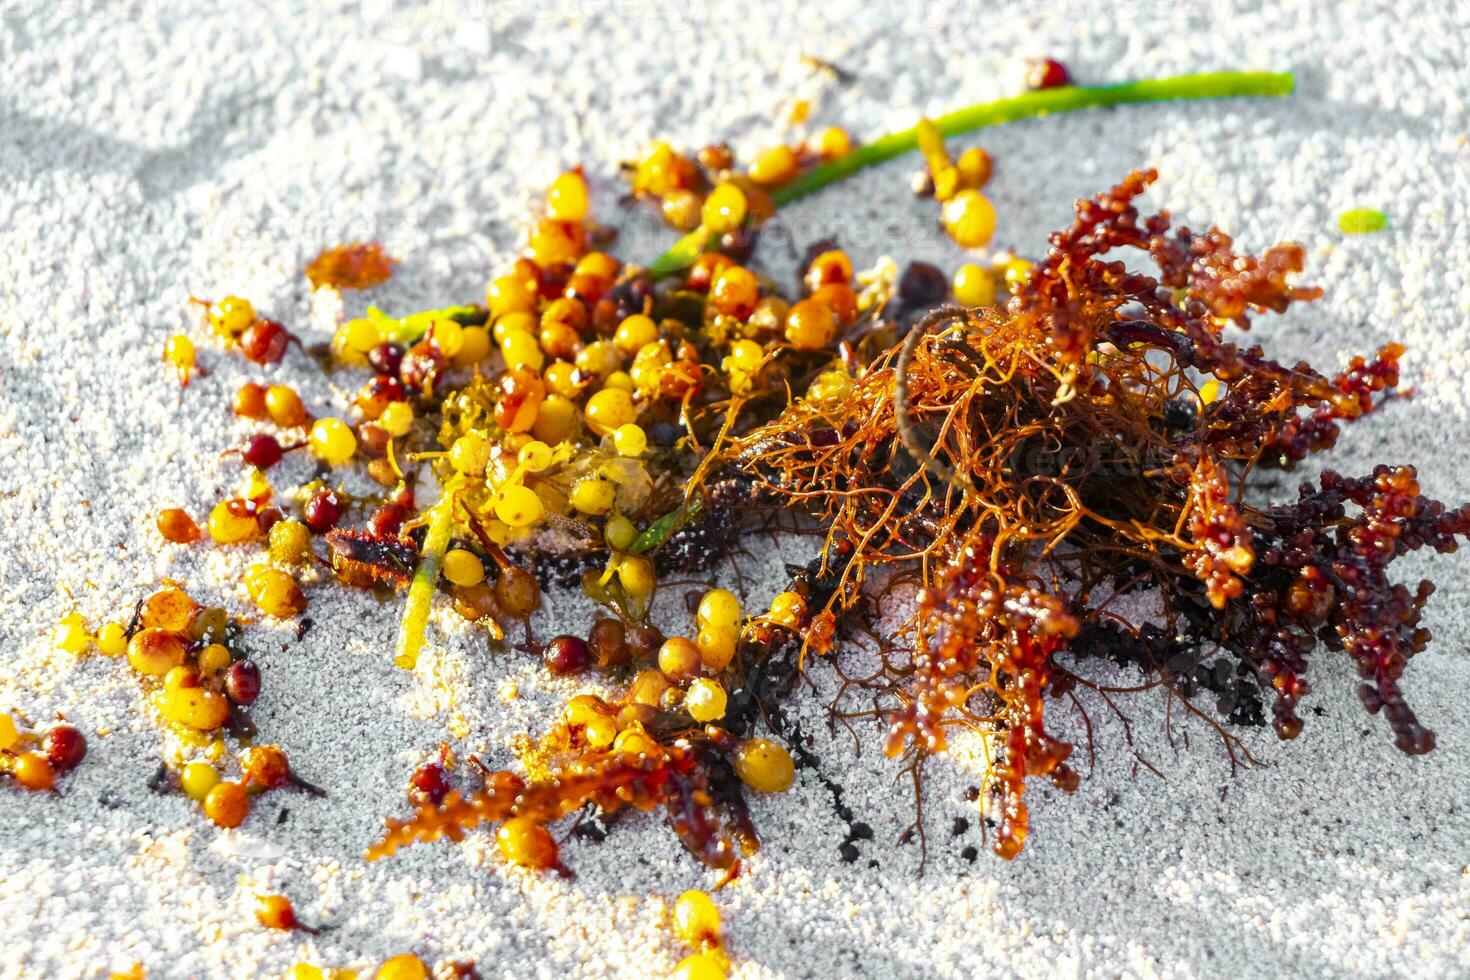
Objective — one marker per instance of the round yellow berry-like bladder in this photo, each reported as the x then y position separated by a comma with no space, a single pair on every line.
834,142
9,733
535,456
562,378
70,634
404,966
470,454
745,355
600,731
608,409
332,441
696,918
214,659
227,804
231,315
582,708
474,346
620,533
523,841
969,217
634,333
448,336
566,198
636,575
155,652
556,420
764,766
774,167
179,351
716,646
290,542
681,209
1016,271
593,496
195,707
788,609
700,966
810,325
679,658
112,639
599,359
360,335
974,285
518,506
397,419
629,439
520,349
197,779
228,525
647,687
725,208
719,608
275,592
285,406
463,568
705,700
634,741
508,294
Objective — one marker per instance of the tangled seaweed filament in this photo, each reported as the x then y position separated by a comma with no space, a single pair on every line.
1030,461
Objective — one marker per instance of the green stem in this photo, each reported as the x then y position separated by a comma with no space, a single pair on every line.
425,580
1212,85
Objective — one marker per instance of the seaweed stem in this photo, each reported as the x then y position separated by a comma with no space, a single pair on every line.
1070,98
425,578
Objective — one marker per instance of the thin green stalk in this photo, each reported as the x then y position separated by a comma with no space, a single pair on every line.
425,580
1215,85
1211,85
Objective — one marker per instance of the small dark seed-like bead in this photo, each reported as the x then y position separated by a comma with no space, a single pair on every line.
567,655
64,746
388,520
242,682
264,342
606,641
262,451
386,358
922,285
1048,73
323,511
428,784
643,641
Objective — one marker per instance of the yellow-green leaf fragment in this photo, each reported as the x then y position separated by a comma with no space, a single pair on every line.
410,328
658,532
682,253
1361,221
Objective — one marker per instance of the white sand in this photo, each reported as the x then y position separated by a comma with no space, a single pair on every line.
151,150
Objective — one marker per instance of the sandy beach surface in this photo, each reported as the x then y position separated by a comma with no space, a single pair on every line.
151,150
